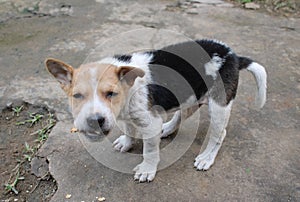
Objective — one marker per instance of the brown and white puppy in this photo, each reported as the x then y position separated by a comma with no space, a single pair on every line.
127,87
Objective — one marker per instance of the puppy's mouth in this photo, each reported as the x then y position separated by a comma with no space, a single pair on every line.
95,136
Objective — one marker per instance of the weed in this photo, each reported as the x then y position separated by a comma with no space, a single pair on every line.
29,152
245,1
45,130
12,187
34,118
28,148
44,123
33,10
284,4
17,110
247,170
27,157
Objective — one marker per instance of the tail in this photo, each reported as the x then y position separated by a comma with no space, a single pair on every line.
260,75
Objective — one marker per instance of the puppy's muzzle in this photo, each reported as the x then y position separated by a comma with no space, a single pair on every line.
97,122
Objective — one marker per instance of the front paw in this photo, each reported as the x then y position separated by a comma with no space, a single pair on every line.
205,160
145,172
123,143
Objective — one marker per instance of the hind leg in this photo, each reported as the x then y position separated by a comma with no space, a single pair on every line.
171,126
219,116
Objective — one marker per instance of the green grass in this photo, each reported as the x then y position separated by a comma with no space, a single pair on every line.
17,110
31,10
34,118
245,1
12,186
29,151
45,130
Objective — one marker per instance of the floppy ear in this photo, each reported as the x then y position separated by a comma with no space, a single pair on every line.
61,71
129,74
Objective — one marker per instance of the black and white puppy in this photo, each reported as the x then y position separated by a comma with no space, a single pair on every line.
178,78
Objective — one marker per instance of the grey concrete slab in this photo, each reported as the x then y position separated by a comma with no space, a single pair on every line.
259,160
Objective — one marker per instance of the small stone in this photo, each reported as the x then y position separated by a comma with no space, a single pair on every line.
9,104
192,11
184,6
39,167
31,9
101,199
68,196
252,5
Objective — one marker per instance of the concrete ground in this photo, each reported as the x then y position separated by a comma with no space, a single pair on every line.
259,160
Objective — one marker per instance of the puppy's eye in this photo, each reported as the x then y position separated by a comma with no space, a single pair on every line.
78,96
111,94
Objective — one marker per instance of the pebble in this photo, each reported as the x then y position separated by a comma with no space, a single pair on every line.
252,5
101,199
9,104
192,11
68,196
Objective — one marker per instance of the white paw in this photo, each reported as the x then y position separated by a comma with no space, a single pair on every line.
145,172
205,160
123,143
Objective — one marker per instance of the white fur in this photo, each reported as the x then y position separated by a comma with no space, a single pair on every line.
219,117
150,131
92,107
80,120
260,75
123,143
213,66
151,134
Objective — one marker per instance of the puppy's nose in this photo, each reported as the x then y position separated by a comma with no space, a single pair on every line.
101,121
96,121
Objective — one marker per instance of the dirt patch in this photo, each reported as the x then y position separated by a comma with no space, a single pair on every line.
287,8
24,128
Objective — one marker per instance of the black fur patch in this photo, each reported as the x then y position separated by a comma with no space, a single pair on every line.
159,95
123,58
178,73
244,62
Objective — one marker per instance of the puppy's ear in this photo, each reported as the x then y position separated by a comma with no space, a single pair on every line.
61,71
129,74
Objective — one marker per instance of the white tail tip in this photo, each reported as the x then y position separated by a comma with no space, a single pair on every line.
260,75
